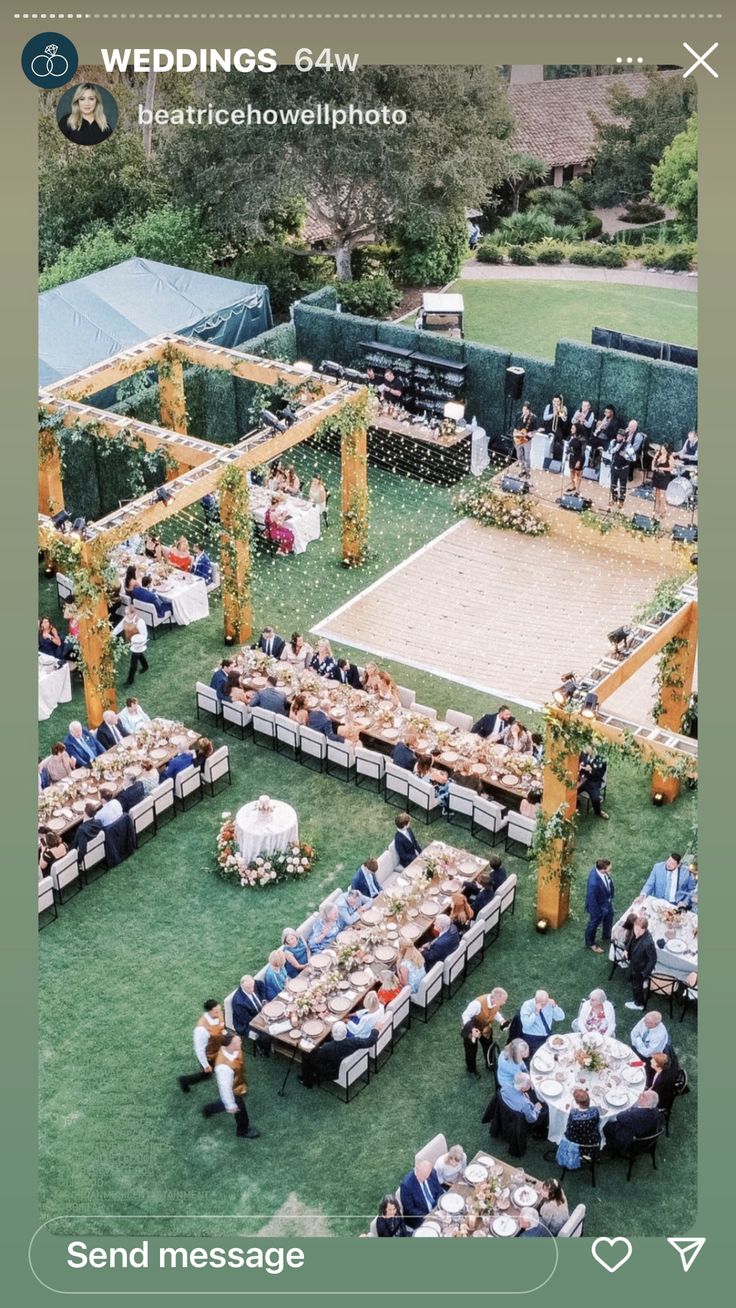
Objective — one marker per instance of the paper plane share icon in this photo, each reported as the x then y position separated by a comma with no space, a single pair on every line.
688,1249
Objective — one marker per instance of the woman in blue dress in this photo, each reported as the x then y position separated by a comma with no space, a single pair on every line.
295,951
274,978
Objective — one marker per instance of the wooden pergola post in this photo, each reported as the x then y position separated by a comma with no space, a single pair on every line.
675,697
50,488
354,495
235,562
553,894
99,686
172,403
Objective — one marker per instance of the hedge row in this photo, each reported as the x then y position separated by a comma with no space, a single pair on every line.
94,486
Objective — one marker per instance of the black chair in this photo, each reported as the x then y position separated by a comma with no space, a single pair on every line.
509,1125
664,987
619,958
589,1156
688,995
644,1144
680,1087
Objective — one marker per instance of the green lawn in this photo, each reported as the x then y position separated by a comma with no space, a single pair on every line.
124,970
531,317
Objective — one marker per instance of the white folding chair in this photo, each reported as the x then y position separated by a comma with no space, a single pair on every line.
428,995
353,1071
507,894
313,748
340,759
460,801
423,711
519,831
237,714
215,583
152,619
392,850
475,943
94,856
373,1228
396,783
207,701
406,696
381,1051
64,872
64,588
143,816
217,767
421,795
575,1224
227,1005
370,766
163,801
332,898
385,866
288,735
432,1151
489,817
463,721
453,969
264,726
490,916
400,1011
188,783
46,900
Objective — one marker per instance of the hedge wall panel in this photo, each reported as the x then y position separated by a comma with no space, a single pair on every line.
350,330
625,383
315,334
221,423
195,386
403,338
539,382
672,406
279,343
325,298
443,347
577,373
484,388
79,478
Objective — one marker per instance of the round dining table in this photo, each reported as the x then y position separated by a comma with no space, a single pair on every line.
555,1073
259,832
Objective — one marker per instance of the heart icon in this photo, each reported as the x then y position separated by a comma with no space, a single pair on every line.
605,1255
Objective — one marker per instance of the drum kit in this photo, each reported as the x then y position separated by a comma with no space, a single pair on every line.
683,489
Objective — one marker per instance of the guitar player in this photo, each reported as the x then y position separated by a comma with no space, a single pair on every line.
526,423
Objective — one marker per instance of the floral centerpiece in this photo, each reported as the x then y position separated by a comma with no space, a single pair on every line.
590,1058
347,955
481,1202
396,905
496,509
296,861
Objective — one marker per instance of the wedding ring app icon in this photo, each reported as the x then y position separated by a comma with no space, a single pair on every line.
49,60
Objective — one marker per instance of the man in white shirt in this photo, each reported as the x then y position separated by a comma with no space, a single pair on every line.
134,623
537,1016
650,1036
231,1086
111,809
478,1018
206,1038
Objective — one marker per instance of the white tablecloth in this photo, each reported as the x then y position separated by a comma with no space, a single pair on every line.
54,687
188,594
595,1083
479,459
671,963
259,833
304,518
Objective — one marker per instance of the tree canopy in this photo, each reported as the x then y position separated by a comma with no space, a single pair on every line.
675,177
628,150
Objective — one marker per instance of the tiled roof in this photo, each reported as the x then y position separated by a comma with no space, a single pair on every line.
554,118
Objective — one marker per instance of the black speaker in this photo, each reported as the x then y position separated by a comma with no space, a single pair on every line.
515,485
515,382
643,523
575,503
689,534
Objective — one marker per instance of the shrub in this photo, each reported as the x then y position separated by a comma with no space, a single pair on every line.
95,250
521,254
370,297
673,258
611,256
526,228
549,252
641,212
588,255
593,227
489,251
173,235
431,248
287,274
367,260
563,205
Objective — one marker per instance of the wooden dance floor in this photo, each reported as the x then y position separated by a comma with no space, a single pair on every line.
500,611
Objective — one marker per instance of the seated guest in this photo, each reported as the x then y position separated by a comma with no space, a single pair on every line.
498,875
662,1076
531,1225
323,661
274,977
49,640
537,1018
132,792
203,749
460,911
389,989
295,951
276,524
270,643
130,581
324,930
366,880
81,745
202,565
318,492
405,842
670,880
688,453
369,1018
297,653
633,1124
389,1222
149,776
371,679
403,756
451,1166
111,808
349,906
270,697
179,763
446,942
152,547
650,1036
411,967
234,689
641,953
147,595
596,1014
517,738
179,555
276,477
492,726
437,777
387,688
133,717
59,765
247,1003
691,903
592,775
292,484
298,711
87,829
517,1097
111,730
317,720
537,746
218,680
347,673
51,847
531,803
583,1126
511,1061
419,1192
323,1063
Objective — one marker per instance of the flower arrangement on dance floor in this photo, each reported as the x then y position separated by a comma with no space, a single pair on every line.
511,512
296,861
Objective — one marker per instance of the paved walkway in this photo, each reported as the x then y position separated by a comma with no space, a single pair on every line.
472,271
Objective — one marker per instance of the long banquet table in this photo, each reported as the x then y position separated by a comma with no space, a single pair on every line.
187,593
481,1207
675,935
336,981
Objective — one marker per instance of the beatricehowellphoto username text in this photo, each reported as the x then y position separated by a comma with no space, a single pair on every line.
321,115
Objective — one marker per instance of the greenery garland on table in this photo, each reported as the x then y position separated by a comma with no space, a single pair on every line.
237,592
494,508
292,863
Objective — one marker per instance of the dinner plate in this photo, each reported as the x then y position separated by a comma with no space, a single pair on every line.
347,937
410,932
557,1042
504,1225
486,1161
79,806
385,954
56,824
449,756
449,887
337,712
469,866
509,779
427,1231
313,1028
373,916
525,1197
543,1064
430,907
451,1202
362,721
274,1009
423,743
339,1004
259,681
390,733
617,1098
475,1173
677,946
135,770
360,978
632,1075
296,985
156,753
323,962
478,769
550,1088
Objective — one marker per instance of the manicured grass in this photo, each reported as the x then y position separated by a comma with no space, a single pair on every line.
124,970
531,317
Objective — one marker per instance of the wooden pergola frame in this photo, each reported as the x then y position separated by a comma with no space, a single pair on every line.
661,742
197,466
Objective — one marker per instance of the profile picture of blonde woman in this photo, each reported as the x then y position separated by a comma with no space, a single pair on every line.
87,114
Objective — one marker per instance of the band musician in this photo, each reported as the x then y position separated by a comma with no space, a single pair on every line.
526,423
557,425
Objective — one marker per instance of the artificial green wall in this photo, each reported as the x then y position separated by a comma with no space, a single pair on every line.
95,485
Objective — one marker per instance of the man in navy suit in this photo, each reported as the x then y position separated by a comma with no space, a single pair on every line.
403,757
247,1003
643,1119
323,1063
492,725
446,942
177,764
270,643
82,745
148,596
365,879
218,681
406,844
599,904
270,698
347,673
420,1191
132,793
319,721
87,829
670,880
111,730
201,564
